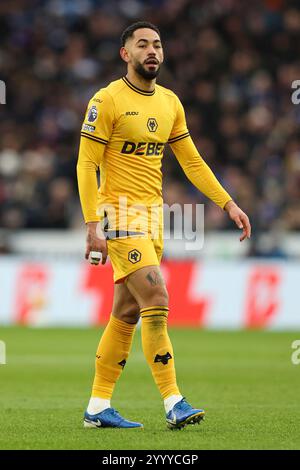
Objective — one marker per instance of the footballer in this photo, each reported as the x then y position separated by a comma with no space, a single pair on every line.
126,128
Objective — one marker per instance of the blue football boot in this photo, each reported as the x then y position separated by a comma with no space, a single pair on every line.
108,418
182,414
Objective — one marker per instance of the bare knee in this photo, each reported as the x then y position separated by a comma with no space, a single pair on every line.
125,307
128,314
148,287
156,296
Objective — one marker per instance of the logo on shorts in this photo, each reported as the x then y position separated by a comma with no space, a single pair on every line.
134,256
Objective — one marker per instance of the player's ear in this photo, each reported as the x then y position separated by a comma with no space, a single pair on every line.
124,54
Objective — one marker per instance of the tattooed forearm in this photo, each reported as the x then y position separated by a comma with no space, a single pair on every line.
155,278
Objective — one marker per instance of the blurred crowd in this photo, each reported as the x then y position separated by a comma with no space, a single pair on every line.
231,62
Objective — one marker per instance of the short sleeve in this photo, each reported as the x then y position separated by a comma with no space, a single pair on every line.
179,130
99,118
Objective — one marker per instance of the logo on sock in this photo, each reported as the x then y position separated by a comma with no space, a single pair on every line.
122,363
98,357
164,359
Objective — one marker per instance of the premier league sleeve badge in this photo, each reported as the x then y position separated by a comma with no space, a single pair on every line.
92,114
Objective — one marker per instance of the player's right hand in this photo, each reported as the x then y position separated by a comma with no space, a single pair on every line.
95,242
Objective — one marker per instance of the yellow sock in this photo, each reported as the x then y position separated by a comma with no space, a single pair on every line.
112,353
158,349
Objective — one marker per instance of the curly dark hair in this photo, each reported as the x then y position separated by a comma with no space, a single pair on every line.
128,32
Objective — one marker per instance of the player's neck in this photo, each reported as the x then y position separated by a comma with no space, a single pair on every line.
140,82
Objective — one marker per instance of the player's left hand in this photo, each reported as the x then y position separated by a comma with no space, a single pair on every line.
240,218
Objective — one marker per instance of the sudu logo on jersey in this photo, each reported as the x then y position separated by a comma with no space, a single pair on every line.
143,148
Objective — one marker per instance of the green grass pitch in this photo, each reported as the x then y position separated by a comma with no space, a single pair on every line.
245,381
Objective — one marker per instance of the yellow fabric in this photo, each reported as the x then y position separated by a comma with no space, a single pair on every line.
124,134
198,172
132,253
158,349
113,350
88,163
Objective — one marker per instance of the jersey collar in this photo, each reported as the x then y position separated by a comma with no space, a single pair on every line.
136,89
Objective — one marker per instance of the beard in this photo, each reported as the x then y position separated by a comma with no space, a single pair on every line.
146,74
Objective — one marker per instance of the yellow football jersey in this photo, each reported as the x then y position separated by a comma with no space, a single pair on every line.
124,133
